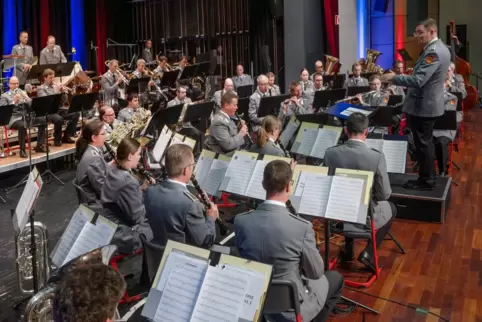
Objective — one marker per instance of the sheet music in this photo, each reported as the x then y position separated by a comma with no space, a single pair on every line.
376,144
27,200
202,168
345,199
288,132
315,195
300,185
76,224
215,176
307,142
222,296
349,111
255,187
161,145
181,290
395,153
325,139
240,170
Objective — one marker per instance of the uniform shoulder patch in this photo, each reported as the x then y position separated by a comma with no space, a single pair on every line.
190,195
385,99
452,102
430,58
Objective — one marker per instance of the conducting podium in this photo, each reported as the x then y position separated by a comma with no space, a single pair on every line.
313,139
195,285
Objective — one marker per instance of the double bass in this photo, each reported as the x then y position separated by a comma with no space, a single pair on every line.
464,69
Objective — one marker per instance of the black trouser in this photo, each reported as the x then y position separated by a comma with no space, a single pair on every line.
73,119
441,144
335,285
19,125
422,129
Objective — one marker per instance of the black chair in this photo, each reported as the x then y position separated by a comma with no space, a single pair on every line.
80,193
151,259
282,297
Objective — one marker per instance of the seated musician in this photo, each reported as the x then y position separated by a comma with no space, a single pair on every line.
161,66
127,113
180,67
49,88
52,53
255,100
112,85
173,212
15,96
273,89
228,87
455,82
122,198
272,235
268,135
306,84
107,115
398,69
224,136
356,80
318,70
378,98
92,168
241,79
354,154
296,104
79,296
318,82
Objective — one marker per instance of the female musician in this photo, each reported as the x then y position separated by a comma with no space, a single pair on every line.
268,134
92,168
122,198
306,84
294,105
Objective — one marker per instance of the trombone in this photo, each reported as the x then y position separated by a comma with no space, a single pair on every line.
119,72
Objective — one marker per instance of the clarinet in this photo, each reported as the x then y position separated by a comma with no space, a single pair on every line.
286,152
291,208
110,150
143,172
223,229
248,135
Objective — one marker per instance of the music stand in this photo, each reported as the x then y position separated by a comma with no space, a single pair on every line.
197,112
355,90
203,68
243,108
245,91
138,85
189,71
83,102
166,116
448,121
395,100
169,78
327,98
336,81
270,105
321,118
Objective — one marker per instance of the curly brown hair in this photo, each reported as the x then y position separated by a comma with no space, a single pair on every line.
89,293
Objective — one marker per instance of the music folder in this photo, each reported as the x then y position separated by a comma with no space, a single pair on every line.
313,139
394,149
327,98
86,231
210,171
340,194
27,200
270,105
244,176
166,139
194,285
289,130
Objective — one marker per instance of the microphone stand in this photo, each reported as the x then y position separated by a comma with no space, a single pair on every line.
94,48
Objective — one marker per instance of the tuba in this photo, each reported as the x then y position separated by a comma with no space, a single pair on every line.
330,63
371,62
24,258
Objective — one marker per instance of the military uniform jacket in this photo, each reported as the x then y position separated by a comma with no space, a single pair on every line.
305,107
356,82
46,90
218,95
458,85
271,235
17,114
56,56
376,99
91,173
110,87
274,90
426,84
357,156
308,88
450,101
175,102
242,80
125,115
223,135
269,148
147,55
254,102
26,51
174,213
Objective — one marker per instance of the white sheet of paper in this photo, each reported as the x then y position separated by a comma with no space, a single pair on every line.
27,200
215,176
349,111
300,184
202,169
345,199
181,291
288,133
315,195
255,187
325,139
221,297
161,145
376,144
240,171
395,153
307,141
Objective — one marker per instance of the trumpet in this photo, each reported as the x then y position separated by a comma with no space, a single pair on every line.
23,96
349,98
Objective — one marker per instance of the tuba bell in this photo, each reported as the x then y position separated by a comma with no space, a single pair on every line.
371,61
330,63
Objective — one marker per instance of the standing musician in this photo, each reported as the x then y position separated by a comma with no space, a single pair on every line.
111,82
173,212
306,83
92,168
255,100
424,102
224,136
241,79
49,88
25,50
273,89
356,80
147,52
268,135
228,87
52,53
318,69
374,99
455,82
296,104
271,234
122,198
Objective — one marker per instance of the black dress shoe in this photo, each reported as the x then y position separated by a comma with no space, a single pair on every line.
23,154
366,260
67,139
57,143
419,185
41,149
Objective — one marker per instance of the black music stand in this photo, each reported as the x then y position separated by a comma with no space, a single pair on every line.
169,79
321,118
324,99
270,105
395,100
189,71
245,91
448,122
167,116
5,116
243,108
355,90
138,85
83,102
382,116
335,81
198,112
203,69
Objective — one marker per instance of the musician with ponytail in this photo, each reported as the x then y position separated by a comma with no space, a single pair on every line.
92,168
268,134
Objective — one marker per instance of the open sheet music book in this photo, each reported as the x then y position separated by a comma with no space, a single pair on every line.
191,285
344,195
394,148
27,200
289,131
165,140
349,111
210,170
86,231
313,141
244,176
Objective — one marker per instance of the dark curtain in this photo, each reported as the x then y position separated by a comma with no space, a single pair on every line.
330,11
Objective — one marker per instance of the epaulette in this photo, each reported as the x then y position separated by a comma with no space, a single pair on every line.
431,47
245,213
95,152
190,195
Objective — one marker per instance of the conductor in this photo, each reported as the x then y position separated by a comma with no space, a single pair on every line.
425,99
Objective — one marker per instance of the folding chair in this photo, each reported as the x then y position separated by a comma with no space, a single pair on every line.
282,297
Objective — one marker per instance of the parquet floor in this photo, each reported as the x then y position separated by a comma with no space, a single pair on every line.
442,270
